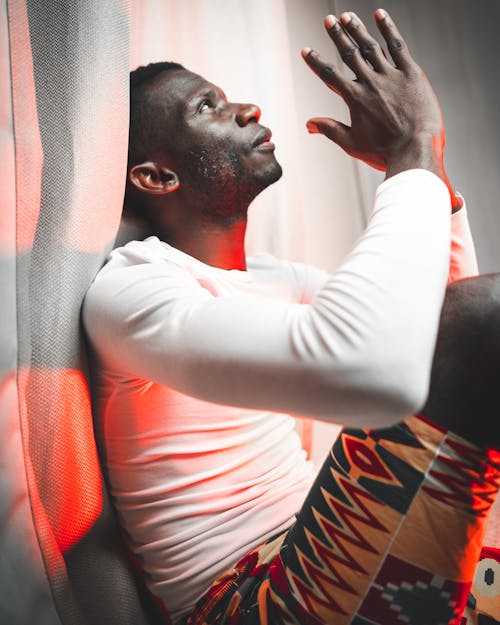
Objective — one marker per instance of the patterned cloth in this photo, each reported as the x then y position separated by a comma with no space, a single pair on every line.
483,606
390,533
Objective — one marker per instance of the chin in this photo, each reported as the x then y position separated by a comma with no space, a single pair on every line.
270,174
279,171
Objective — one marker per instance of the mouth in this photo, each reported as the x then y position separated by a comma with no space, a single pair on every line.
263,140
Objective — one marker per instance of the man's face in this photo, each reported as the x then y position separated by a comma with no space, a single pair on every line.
216,147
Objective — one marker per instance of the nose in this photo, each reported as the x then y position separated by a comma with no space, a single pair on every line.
247,113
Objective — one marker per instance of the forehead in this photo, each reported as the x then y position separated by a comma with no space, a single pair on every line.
177,87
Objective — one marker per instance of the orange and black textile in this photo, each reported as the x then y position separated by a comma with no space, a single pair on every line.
390,532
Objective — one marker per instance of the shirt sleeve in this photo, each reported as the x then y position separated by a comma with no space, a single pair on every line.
463,262
360,353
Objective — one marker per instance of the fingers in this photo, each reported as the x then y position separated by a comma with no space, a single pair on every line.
369,48
334,130
356,45
328,74
395,43
348,50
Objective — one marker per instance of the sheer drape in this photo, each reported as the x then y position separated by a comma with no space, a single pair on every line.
63,135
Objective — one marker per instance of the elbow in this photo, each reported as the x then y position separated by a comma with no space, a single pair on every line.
413,388
403,390
375,394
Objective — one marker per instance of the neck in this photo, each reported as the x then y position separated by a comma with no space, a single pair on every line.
215,245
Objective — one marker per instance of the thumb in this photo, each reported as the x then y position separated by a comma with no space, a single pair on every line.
338,132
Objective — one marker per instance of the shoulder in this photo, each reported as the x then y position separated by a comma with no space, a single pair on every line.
148,251
141,258
134,275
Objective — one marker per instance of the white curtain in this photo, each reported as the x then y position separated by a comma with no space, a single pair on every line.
63,143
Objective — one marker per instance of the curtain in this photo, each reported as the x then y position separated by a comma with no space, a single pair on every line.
64,117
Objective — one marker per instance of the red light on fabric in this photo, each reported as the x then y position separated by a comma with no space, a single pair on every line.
21,124
63,453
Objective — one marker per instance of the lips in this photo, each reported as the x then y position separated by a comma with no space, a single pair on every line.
263,139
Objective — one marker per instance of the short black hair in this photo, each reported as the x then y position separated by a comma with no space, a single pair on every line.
145,73
140,128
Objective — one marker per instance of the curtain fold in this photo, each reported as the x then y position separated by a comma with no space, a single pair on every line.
64,139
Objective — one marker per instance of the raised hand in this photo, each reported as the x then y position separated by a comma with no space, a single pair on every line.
396,122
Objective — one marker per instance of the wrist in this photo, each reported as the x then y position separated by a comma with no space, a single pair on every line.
420,152
423,152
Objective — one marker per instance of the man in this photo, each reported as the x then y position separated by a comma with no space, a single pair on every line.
200,350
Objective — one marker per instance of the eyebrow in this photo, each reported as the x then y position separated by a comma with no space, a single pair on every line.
208,92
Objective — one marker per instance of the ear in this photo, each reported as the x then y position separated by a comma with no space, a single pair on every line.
153,178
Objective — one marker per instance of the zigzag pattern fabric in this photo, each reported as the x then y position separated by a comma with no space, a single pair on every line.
390,533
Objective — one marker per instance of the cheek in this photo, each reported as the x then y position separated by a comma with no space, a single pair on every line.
214,159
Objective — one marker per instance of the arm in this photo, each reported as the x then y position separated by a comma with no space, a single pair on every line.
463,262
360,353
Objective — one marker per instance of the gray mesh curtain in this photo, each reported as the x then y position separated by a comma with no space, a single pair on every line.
63,135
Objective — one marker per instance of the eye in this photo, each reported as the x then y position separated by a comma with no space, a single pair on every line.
205,105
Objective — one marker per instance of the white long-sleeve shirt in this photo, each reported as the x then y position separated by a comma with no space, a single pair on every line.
196,366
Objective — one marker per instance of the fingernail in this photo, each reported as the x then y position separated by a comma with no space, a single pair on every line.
305,52
312,128
345,18
330,21
380,14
